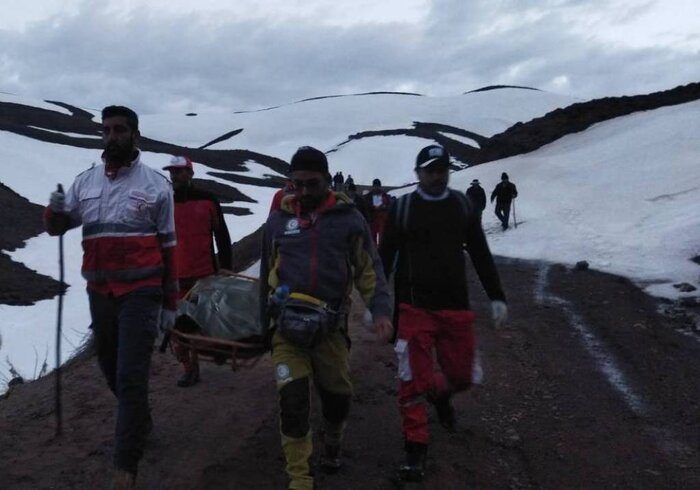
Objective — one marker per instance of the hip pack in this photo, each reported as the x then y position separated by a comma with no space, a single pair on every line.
305,320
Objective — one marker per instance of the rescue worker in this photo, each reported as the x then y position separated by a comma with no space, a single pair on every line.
426,234
377,205
504,193
126,211
315,247
197,216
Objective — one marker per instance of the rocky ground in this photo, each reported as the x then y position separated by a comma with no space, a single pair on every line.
20,220
587,387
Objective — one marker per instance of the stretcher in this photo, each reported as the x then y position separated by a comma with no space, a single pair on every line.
218,321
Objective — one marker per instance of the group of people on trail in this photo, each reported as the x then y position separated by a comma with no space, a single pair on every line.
340,183
316,246
504,193
142,236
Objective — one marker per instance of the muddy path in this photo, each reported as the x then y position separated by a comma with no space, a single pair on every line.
586,387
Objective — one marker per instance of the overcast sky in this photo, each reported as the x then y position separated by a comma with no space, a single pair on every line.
175,56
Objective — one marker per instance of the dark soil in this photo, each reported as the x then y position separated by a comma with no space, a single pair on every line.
19,221
546,416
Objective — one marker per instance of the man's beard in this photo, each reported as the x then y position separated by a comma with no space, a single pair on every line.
311,202
177,185
119,153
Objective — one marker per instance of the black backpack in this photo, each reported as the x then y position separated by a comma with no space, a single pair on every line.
403,206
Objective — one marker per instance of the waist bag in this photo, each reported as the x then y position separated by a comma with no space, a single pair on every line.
305,320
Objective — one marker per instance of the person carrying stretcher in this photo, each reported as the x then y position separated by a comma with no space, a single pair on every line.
197,216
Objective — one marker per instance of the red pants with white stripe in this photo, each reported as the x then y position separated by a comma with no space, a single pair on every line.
426,336
376,226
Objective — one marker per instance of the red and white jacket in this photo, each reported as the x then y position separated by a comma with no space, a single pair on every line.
128,228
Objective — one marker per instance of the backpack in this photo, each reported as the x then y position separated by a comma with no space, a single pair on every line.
403,206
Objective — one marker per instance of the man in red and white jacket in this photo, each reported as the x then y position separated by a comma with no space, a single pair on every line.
197,216
127,215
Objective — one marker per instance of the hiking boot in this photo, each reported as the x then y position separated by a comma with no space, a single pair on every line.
330,459
413,469
190,378
123,480
445,411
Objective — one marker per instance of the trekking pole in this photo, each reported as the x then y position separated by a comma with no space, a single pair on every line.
515,221
59,411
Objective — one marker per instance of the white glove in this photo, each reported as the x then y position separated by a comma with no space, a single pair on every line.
499,312
167,319
57,202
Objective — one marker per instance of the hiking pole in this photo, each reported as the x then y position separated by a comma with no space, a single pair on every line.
515,221
59,411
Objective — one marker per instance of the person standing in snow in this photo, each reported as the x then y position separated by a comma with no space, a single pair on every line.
426,234
315,247
198,216
377,203
477,195
504,193
349,181
338,181
127,213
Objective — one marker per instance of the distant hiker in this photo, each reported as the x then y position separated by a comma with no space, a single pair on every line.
477,195
277,198
426,234
349,181
504,193
338,181
126,209
314,248
351,191
197,216
377,202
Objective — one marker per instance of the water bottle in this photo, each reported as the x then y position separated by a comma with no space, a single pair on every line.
280,295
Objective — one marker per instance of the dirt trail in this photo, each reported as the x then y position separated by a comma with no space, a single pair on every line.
587,387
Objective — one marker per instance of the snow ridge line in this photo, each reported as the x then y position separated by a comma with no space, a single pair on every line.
605,362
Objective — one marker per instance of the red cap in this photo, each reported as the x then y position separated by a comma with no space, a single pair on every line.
179,162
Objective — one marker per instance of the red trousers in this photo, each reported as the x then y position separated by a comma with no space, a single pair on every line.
426,336
376,226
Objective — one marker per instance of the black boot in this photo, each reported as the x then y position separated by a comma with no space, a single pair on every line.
189,378
330,459
445,411
413,469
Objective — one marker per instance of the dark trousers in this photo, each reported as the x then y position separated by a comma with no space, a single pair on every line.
125,329
503,212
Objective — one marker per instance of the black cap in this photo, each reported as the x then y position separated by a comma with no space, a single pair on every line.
377,182
504,176
308,158
430,155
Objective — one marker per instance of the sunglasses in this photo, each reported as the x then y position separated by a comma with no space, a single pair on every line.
309,184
